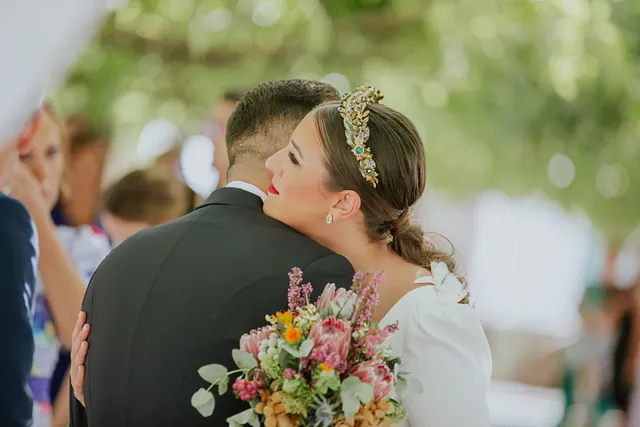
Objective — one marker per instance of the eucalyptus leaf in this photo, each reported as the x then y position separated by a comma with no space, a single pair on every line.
223,385
406,386
292,351
353,385
283,359
243,359
353,393
350,405
415,387
204,402
402,387
306,347
213,372
245,417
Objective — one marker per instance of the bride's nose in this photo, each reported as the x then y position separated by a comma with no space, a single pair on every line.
272,165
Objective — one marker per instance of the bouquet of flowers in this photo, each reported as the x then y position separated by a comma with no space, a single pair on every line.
315,365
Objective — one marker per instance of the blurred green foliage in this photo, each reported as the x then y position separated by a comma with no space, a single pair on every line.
496,87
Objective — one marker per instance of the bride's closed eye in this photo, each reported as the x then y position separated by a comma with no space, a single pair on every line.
292,158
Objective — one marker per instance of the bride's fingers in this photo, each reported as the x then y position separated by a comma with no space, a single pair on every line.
78,385
78,371
79,348
82,354
76,330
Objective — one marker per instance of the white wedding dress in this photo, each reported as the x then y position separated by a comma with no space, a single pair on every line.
442,343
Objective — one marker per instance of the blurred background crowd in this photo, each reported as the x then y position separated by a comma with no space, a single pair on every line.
530,110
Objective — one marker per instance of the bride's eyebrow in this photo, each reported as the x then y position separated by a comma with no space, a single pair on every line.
297,148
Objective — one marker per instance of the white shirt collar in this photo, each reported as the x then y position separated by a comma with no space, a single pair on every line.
248,187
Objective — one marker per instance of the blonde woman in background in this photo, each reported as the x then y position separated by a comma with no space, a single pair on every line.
68,258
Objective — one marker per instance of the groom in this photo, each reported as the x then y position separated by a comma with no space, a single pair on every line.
179,296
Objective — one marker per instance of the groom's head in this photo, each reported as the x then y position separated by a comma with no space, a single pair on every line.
264,120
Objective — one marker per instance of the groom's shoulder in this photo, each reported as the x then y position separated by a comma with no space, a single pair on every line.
227,228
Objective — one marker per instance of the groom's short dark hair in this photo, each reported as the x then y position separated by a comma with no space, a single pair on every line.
266,116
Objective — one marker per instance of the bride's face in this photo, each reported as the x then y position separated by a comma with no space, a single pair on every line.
297,195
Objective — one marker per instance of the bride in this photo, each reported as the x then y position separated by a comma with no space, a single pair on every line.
349,179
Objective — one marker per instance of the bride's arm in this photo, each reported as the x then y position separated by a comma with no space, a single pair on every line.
446,349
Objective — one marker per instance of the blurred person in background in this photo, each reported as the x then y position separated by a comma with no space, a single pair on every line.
68,257
216,131
84,167
18,260
141,199
88,146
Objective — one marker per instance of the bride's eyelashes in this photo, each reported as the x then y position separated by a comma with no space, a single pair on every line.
292,158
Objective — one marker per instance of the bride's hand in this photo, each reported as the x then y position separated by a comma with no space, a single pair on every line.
79,347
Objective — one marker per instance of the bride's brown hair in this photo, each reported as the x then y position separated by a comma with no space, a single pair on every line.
401,165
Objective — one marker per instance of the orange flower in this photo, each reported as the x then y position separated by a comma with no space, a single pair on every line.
286,318
292,335
325,367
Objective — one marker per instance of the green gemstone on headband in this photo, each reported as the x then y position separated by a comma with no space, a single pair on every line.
358,150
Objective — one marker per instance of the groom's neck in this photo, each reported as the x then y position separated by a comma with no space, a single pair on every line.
251,174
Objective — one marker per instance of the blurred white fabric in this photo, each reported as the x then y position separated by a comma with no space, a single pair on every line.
521,405
451,218
40,40
530,265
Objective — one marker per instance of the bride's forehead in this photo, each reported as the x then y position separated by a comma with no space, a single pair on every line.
306,134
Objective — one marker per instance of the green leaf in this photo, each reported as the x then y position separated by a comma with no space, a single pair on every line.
306,347
292,351
204,402
350,405
223,386
283,359
354,392
243,359
213,372
303,351
406,385
245,417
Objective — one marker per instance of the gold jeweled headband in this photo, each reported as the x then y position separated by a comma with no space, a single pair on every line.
356,117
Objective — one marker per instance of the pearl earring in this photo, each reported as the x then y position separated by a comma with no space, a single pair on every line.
329,218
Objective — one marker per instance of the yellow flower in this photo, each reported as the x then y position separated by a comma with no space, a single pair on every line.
325,367
286,318
292,335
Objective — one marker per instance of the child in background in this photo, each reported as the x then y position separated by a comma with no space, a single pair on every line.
141,199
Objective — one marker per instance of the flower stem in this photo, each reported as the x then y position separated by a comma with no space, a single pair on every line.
228,374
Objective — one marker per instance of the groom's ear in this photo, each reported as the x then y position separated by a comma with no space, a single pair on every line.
347,204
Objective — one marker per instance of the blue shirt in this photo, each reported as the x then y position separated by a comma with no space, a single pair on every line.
18,263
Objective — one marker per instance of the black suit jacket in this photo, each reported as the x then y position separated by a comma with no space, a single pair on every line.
179,296
17,280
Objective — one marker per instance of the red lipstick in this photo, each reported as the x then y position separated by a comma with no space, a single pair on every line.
273,190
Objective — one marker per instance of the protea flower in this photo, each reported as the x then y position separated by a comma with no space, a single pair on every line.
251,342
340,299
376,374
332,339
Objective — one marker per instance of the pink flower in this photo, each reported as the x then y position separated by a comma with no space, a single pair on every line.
251,342
332,339
331,295
377,374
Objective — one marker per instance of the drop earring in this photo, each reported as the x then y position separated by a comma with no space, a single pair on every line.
329,218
